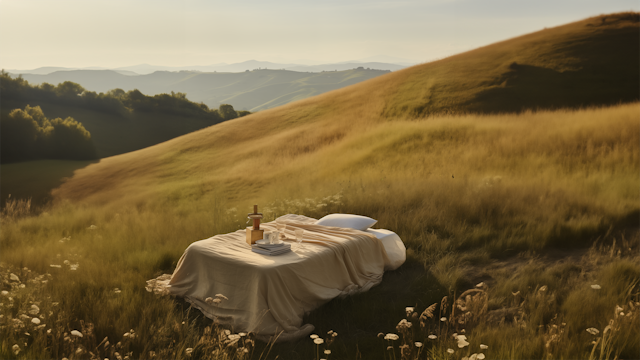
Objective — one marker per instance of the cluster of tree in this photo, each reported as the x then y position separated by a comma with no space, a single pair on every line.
28,135
116,101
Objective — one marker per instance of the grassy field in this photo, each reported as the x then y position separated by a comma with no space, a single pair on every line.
515,201
527,223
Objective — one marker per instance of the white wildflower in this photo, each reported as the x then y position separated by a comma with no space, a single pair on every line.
117,291
34,310
55,266
209,300
462,343
318,341
222,297
92,227
313,336
234,337
450,351
35,321
327,352
443,319
392,337
409,310
16,349
480,356
480,285
14,277
432,337
418,344
595,287
4,293
483,347
188,351
76,333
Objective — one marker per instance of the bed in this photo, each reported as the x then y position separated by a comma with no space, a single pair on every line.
269,295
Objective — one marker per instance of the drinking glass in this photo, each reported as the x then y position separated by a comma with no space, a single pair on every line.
299,234
281,228
273,237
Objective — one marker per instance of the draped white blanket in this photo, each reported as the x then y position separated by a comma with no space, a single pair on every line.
269,295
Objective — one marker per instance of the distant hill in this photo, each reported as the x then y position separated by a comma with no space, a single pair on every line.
319,140
251,90
374,62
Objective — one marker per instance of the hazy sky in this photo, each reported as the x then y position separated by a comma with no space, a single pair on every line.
83,33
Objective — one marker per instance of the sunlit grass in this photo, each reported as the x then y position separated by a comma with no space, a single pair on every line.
464,193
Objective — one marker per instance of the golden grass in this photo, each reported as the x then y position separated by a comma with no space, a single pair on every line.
521,184
523,181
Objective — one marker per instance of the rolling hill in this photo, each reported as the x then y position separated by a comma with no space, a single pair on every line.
586,63
251,90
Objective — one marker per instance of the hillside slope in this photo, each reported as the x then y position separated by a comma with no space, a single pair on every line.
251,90
559,67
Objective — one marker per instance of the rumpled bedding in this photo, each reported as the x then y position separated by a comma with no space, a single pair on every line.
269,295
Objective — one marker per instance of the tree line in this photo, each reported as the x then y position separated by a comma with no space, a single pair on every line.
116,101
28,135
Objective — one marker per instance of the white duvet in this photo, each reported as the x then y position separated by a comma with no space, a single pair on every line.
269,295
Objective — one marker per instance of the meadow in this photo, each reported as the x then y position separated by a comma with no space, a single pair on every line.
511,173
527,223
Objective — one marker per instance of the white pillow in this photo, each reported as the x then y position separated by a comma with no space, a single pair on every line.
356,222
396,251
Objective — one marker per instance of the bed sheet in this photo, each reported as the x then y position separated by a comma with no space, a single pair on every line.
269,295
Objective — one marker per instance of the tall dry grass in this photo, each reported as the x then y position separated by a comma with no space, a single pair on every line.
462,192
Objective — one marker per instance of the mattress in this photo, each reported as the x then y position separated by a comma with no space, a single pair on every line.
269,295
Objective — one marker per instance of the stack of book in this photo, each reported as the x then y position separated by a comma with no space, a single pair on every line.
271,250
